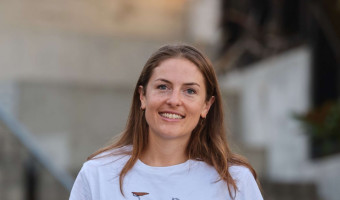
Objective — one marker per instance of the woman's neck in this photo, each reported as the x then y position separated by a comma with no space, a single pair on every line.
161,153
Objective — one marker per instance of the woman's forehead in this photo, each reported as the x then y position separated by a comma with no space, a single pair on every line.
177,69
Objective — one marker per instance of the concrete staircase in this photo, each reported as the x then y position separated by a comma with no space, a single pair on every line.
21,176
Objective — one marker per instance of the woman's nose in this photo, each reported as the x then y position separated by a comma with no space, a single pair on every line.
174,98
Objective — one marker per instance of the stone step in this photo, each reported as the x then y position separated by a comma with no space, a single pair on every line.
289,191
273,190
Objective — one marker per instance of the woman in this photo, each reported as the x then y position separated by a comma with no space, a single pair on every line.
174,146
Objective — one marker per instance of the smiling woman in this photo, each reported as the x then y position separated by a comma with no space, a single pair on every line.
174,145
174,101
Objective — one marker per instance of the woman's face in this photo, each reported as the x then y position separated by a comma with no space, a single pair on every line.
175,99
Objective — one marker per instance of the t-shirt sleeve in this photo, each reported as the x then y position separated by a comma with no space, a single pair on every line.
81,189
247,187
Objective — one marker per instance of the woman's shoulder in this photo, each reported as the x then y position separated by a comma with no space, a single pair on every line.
112,158
240,172
247,187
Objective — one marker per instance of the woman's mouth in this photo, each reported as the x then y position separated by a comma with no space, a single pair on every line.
171,115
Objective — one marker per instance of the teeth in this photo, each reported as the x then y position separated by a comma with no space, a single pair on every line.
171,116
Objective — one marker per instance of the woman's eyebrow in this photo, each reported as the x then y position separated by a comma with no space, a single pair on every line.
192,83
164,80
187,84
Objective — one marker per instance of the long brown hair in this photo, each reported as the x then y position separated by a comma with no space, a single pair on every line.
208,141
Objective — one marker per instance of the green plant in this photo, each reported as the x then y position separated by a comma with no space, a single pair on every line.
322,125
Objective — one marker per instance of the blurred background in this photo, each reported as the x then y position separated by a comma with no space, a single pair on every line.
68,68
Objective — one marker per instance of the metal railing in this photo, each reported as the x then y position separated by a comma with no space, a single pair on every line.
28,141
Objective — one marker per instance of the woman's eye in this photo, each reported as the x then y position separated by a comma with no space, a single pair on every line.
191,91
162,87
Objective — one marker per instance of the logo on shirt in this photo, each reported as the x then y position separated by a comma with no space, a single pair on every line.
139,194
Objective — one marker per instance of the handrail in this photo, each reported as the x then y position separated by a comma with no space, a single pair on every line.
27,139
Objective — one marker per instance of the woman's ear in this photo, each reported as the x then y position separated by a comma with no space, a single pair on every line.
207,106
141,97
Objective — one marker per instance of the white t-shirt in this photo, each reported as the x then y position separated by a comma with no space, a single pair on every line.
98,179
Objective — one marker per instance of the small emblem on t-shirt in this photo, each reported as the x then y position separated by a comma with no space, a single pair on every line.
139,194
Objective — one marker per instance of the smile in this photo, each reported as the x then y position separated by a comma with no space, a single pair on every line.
171,115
